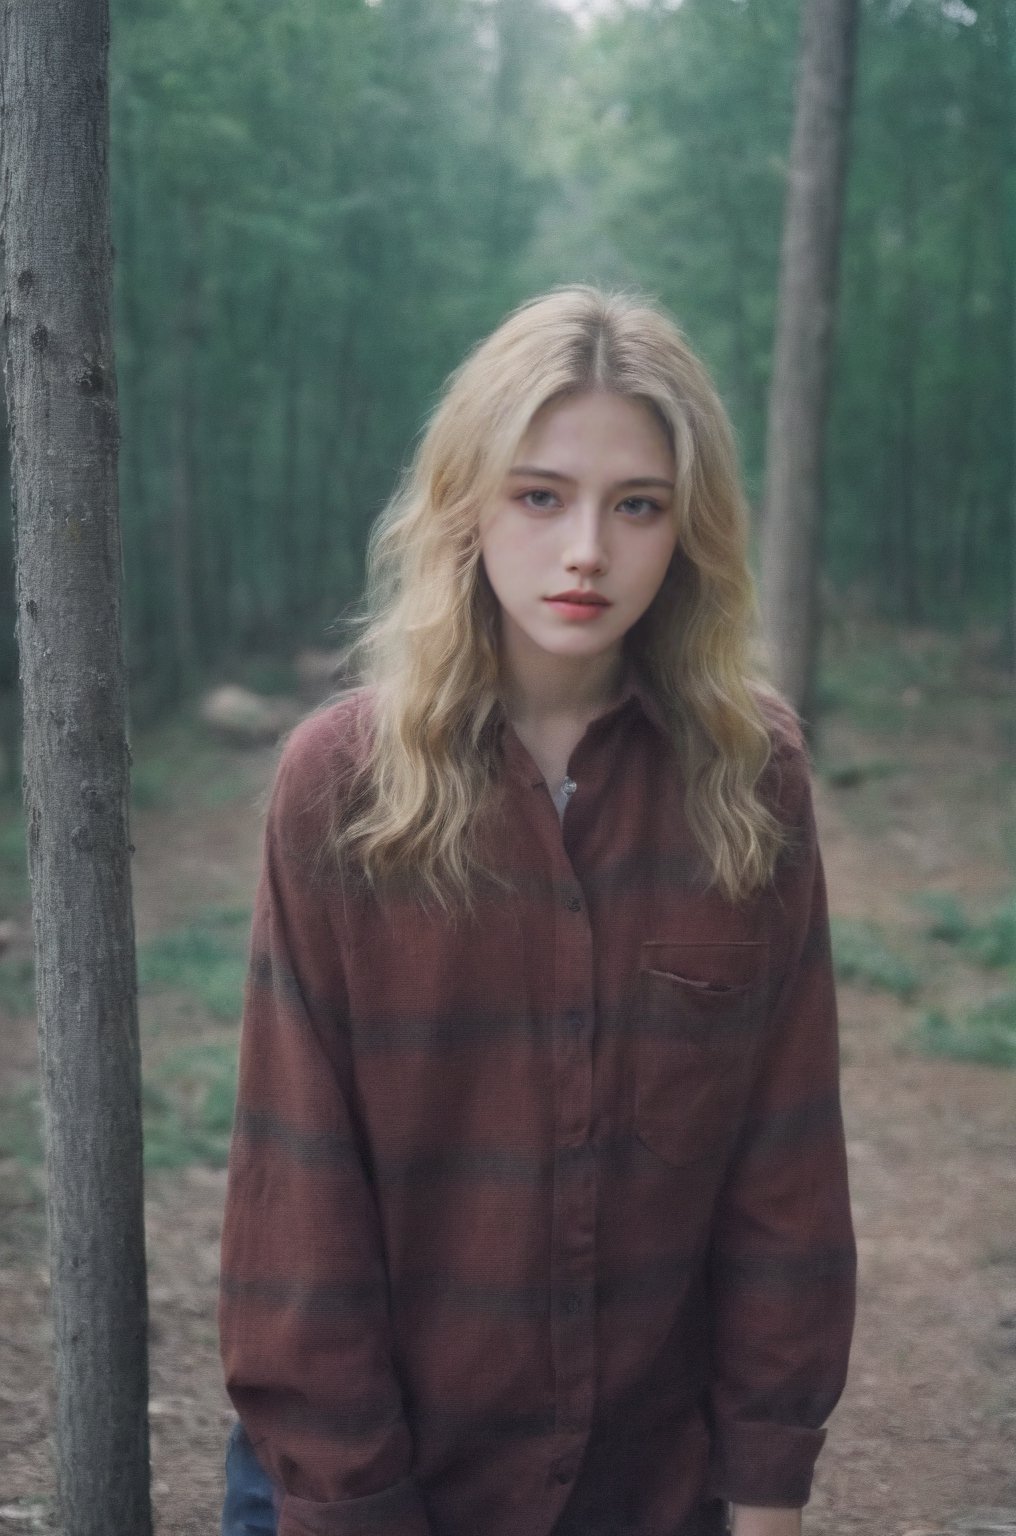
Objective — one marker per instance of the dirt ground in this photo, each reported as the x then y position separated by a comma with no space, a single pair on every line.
924,1440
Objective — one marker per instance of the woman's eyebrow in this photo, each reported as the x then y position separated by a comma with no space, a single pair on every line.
553,474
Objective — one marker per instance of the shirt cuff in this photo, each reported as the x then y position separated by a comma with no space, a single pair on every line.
395,1511
766,1465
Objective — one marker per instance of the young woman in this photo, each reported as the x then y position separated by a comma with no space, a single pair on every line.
537,1218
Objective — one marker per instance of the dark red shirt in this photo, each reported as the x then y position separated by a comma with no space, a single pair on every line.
538,1222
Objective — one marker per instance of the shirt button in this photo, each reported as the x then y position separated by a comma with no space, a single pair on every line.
570,1303
574,904
569,787
575,1019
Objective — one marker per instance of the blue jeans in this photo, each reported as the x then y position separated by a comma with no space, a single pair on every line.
249,1506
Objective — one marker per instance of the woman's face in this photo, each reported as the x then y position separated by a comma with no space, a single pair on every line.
587,509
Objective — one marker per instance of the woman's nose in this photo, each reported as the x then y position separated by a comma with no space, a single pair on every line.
586,550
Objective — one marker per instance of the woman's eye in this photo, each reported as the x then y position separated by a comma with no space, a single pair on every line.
641,506
541,500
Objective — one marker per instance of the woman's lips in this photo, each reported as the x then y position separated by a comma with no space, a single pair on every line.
570,608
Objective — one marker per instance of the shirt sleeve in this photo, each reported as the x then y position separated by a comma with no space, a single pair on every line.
303,1311
782,1259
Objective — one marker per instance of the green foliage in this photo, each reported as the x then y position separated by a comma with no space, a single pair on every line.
991,941
882,680
21,1126
206,959
22,1178
178,765
986,1034
12,838
14,885
17,984
928,231
684,116
188,1107
861,956
317,208
265,674
151,784
848,775
679,119
188,1095
948,920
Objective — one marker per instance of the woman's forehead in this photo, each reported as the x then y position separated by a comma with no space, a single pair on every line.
571,433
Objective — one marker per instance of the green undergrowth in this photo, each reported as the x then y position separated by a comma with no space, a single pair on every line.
206,960
863,957
884,679
188,1085
15,893
986,1034
849,773
177,765
187,1102
913,968
989,941
21,1126
987,1031
17,984
881,689
189,1088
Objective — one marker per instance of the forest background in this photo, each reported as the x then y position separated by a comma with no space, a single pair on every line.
319,205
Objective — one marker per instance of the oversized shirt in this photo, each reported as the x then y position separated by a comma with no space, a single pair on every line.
538,1222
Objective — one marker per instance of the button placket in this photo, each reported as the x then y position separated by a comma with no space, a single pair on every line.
574,1220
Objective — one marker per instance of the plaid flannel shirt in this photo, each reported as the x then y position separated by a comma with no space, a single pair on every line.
539,1221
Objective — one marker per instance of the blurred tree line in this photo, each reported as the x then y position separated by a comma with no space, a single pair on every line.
319,204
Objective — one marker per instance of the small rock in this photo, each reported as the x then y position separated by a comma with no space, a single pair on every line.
248,719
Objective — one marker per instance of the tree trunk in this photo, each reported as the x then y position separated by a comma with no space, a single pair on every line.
182,562
1006,22
906,349
10,712
143,641
61,390
809,265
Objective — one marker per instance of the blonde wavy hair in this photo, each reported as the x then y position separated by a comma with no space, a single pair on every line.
428,644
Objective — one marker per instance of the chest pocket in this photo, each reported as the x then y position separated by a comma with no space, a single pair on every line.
698,1018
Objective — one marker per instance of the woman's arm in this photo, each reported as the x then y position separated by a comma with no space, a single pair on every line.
304,1321
782,1256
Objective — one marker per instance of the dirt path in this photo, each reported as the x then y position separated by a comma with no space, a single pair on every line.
926,1432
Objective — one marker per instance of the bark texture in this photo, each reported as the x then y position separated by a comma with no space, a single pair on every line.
61,393
809,269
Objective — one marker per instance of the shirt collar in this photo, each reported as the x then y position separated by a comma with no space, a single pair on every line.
635,695
634,687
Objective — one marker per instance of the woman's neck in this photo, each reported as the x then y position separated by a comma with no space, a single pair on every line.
548,688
